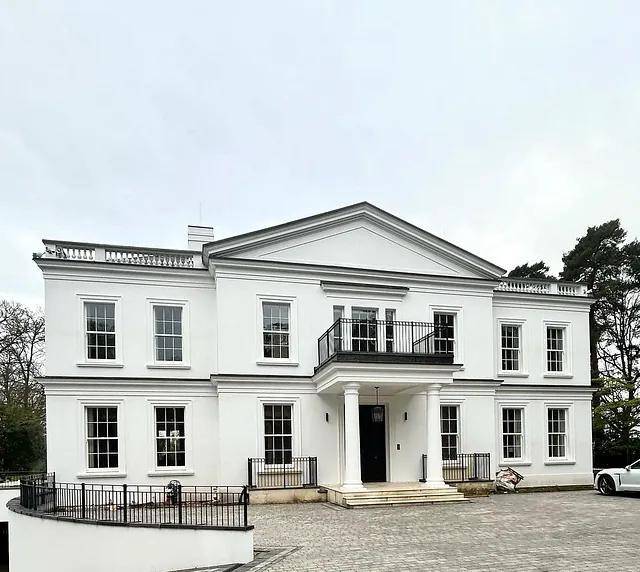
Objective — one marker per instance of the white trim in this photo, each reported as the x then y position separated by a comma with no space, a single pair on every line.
567,353
189,441
569,458
152,363
87,472
458,328
296,432
292,360
521,323
82,359
525,458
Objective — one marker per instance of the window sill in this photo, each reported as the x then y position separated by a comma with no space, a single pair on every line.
171,473
512,374
278,362
559,462
99,364
102,475
168,366
514,464
558,375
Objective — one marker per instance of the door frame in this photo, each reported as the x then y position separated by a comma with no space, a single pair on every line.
386,403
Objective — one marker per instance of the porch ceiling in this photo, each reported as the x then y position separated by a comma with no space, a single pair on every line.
392,379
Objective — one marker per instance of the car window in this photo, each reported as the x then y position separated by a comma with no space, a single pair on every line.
636,465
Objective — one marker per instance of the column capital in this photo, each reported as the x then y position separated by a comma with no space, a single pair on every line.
351,388
434,388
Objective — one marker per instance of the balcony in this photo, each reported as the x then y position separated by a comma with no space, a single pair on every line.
383,341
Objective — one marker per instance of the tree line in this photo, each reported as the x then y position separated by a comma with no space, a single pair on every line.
22,404
609,264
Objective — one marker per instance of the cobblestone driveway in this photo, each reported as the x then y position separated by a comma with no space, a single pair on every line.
569,532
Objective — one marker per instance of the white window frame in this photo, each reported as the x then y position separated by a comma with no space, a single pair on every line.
523,362
114,472
455,406
152,362
188,469
82,359
567,352
292,360
296,439
458,324
569,458
525,459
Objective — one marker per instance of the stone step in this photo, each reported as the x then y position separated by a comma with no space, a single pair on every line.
385,498
355,503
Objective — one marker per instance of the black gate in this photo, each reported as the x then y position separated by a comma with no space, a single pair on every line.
4,543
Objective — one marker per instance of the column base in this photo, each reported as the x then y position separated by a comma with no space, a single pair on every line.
352,486
435,485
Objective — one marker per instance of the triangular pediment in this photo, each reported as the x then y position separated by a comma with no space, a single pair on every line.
360,236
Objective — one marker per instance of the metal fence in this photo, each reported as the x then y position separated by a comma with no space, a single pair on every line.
301,472
465,467
384,336
10,480
174,504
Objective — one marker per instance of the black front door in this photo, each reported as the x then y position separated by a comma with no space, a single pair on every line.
373,459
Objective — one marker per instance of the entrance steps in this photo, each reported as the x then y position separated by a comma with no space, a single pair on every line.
391,494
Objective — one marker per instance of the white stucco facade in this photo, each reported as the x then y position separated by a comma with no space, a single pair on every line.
358,258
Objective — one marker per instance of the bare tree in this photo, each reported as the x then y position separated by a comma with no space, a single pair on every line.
21,355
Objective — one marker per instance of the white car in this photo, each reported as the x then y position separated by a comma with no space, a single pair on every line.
610,481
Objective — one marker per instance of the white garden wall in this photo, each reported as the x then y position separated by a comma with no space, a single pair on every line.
80,547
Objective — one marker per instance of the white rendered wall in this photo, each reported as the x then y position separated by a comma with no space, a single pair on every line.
66,431
65,329
79,547
5,496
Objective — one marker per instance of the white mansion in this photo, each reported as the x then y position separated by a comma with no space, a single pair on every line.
344,348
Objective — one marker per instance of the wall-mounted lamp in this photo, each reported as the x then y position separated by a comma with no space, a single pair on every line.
406,416
326,417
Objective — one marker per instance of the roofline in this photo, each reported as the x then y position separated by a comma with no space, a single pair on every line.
364,205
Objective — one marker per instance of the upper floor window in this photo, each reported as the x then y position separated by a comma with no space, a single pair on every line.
444,334
276,317
510,348
102,437
338,312
168,333
364,329
449,432
555,349
100,330
389,329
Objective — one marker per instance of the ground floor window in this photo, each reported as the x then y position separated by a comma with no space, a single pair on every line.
449,432
557,433
102,437
512,433
170,437
278,434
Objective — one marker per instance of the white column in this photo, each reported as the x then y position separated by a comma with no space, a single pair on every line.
352,478
434,440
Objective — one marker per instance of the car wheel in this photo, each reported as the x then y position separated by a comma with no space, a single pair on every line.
606,485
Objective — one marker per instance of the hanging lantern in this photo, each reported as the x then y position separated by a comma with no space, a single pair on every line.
377,412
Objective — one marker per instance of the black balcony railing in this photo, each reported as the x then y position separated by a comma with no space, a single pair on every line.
348,336
301,472
463,467
174,504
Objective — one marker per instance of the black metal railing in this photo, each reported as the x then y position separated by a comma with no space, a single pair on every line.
383,336
10,480
174,504
301,472
463,467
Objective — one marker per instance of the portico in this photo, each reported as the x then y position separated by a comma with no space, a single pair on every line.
406,425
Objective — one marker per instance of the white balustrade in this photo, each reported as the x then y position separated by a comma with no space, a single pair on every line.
524,286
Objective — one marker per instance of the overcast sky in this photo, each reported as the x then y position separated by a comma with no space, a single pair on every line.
505,127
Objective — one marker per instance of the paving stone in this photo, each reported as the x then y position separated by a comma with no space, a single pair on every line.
544,532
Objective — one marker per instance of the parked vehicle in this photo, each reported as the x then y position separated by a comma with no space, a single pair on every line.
610,481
